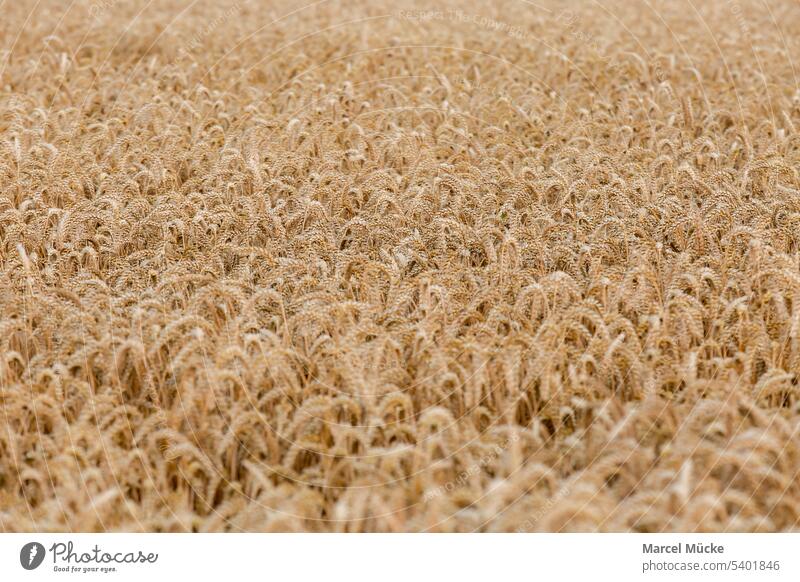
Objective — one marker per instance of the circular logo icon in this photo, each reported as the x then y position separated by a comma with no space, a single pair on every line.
31,555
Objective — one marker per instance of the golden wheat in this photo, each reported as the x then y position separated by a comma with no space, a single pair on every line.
386,266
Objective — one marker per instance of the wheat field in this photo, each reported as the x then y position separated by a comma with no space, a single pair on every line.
394,267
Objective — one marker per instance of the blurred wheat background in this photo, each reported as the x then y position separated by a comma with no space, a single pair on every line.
396,266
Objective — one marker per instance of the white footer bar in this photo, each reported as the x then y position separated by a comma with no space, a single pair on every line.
400,558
